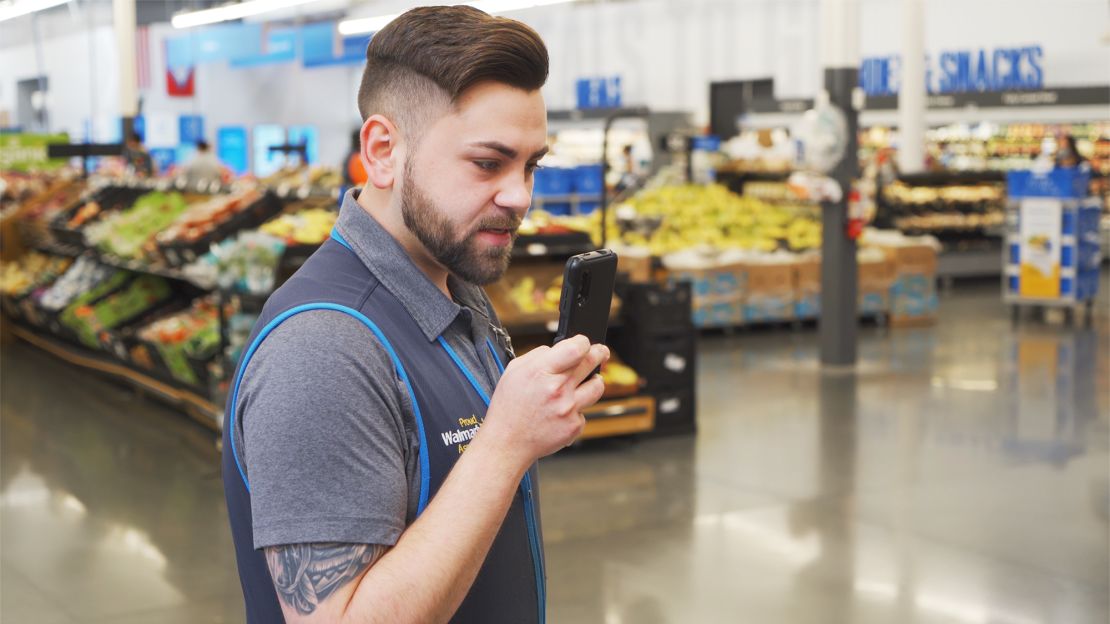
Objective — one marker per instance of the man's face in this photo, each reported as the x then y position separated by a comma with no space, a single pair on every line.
469,183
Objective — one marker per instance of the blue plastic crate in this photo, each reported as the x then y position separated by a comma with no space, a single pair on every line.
557,208
586,207
551,181
587,180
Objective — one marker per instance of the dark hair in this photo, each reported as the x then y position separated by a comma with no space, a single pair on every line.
135,136
202,145
431,54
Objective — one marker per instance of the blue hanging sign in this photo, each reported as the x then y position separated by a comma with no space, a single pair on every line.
223,42
598,92
322,45
960,71
191,129
278,46
231,148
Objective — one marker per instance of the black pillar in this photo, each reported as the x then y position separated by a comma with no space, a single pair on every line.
839,323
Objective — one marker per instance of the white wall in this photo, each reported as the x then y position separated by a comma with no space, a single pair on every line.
83,79
667,52
285,94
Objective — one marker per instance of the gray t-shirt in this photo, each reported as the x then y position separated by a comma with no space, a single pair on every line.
329,438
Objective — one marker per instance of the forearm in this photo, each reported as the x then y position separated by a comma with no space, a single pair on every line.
426,575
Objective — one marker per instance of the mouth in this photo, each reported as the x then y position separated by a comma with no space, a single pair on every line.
496,236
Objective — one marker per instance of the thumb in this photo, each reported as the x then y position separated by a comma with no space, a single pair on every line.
566,355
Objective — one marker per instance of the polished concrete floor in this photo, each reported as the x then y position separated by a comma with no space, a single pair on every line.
961,474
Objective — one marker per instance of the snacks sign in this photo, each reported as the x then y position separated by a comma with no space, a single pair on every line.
961,71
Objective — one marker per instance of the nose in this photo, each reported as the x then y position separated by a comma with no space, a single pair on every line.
515,194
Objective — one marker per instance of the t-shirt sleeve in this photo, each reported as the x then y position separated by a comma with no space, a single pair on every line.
324,436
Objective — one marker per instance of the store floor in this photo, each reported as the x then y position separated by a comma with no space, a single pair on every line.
961,475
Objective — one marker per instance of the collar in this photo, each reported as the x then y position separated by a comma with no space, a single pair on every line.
376,248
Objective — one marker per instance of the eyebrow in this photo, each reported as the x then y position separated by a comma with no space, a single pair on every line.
507,151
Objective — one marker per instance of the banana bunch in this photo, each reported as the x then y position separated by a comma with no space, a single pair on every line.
714,216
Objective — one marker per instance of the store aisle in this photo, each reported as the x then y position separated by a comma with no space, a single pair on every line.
961,475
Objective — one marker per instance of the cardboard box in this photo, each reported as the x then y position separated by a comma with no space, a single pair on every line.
913,292
919,259
722,283
726,313
638,268
772,291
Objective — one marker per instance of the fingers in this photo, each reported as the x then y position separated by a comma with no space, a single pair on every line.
566,355
589,393
598,355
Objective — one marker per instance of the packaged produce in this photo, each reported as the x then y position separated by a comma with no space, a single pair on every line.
202,218
32,270
126,233
305,227
85,276
247,263
192,335
88,317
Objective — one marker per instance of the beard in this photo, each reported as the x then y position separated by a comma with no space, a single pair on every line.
460,255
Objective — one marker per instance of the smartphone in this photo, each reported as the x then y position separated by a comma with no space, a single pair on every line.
587,294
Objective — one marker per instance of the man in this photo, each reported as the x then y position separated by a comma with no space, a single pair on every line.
378,465
204,168
136,158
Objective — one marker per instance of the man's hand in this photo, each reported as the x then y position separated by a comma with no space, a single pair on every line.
537,406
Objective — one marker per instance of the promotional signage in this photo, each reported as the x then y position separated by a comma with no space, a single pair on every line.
1041,225
308,136
598,92
961,71
278,46
322,45
191,128
231,148
24,152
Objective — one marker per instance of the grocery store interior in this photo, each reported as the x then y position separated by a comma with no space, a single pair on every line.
860,329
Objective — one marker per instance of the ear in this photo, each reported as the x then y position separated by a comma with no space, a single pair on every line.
378,151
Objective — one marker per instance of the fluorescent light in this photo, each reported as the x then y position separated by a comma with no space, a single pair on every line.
232,12
19,8
360,25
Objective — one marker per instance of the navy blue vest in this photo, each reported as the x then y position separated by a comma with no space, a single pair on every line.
510,586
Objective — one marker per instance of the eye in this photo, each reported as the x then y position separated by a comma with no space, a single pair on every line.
489,166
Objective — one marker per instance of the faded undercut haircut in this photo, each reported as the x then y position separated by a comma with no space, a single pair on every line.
425,59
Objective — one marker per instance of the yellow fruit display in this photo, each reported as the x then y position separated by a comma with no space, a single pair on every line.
530,298
307,227
694,215
618,374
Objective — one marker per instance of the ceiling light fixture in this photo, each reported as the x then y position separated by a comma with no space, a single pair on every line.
229,12
360,25
19,8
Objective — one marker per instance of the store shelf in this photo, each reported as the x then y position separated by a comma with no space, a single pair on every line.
971,263
619,417
552,245
197,407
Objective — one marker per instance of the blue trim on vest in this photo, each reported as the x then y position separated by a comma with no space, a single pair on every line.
496,358
525,485
425,471
339,238
465,371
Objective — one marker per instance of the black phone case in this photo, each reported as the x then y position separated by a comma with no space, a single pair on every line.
587,295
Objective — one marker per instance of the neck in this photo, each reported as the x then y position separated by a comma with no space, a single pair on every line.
379,205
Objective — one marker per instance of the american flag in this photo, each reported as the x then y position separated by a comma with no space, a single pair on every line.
142,57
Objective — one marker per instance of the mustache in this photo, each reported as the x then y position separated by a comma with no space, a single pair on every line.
502,222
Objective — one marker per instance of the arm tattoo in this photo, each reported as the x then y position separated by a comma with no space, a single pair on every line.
305,574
